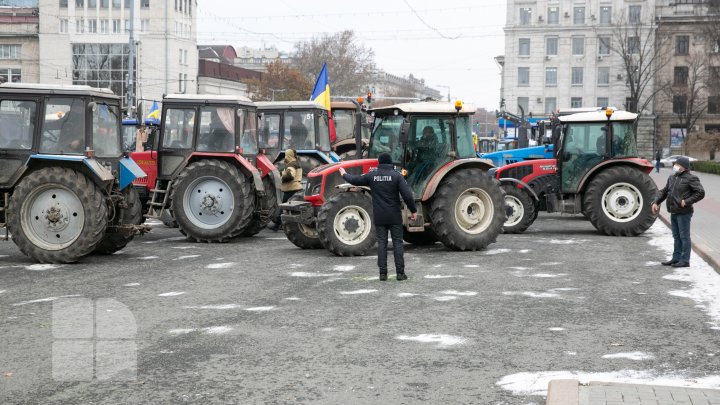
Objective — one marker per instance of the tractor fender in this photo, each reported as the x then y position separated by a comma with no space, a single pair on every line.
100,173
510,180
640,164
450,167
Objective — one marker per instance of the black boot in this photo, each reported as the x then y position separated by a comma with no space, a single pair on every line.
383,276
669,262
401,276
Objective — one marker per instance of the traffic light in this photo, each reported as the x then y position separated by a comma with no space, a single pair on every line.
369,98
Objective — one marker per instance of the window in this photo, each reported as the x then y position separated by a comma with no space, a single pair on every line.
270,129
680,104
63,25
575,102
18,123
79,3
550,105
64,125
63,3
605,15
92,26
10,75
715,76
144,25
145,3
127,4
715,46
525,16
105,137
92,3
127,25
634,14
185,57
633,45
524,47
464,139
523,76
577,76
10,51
178,128
104,3
248,126
80,25
523,102
180,61
603,45
551,77
176,5
104,24
180,6
578,45
630,104
680,76
713,105
602,102
682,44
189,7
579,15
217,129
180,83
551,46
553,15
100,65
116,26
115,3
603,78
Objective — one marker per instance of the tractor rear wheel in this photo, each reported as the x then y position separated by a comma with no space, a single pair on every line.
617,201
345,224
258,221
522,210
301,235
57,215
468,210
212,201
424,238
132,215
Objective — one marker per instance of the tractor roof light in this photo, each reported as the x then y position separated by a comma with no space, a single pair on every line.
608,112
458,105
360,100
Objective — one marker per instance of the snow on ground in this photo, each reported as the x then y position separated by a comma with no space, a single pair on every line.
445,298
186,257
307,274
171,294
532,294
630,356
357,292
219,265
441,340
131,285
220,306
41,267
496,251
48,299
431,276
703,281
343,268
463,293
536,383
260,309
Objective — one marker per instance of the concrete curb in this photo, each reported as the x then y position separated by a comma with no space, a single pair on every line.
563,392
699,249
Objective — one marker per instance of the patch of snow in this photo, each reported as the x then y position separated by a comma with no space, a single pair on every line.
462,293
433,276
437,266
186,257
564,289
630,356
293,299
260,309
532,294
327,329
48,299
183,247
217,330
343,268
547,275
405,295
171,294
147,257
41,267
556,329
3,291
649,264
181,331
496,251
131,285
220,306
441,340
571,353
521,268
219,265
357,292
567,241
119,252
306,274
445,298
472,265
550,264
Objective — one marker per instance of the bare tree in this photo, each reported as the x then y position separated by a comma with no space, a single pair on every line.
286,82
350,65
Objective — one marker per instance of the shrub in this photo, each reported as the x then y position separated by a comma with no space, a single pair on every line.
706,167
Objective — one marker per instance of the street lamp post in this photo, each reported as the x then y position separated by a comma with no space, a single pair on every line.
273,92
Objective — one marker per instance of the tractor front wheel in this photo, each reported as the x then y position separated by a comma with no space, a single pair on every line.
522,212
301,235
617,201
115,240
345,224
468,210
57,215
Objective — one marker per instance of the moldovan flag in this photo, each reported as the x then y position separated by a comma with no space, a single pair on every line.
154,111
321,92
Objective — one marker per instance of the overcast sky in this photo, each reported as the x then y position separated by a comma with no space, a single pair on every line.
449,43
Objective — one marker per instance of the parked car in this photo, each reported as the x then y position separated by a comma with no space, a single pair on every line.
670,160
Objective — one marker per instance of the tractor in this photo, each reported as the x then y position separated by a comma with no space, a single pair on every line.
207,171
129,132
459,204
65,184
346,116
595,172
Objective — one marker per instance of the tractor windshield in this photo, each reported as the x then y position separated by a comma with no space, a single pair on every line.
624,144
106,130
18,124
178,128
128,136
249,124
385,137
217,129
299,130
63,127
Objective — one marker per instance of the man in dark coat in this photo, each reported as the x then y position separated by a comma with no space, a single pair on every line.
386,186
683,189
658,156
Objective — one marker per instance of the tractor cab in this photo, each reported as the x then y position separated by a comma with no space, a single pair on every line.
345,116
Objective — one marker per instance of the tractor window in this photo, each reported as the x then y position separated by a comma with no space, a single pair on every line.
584,147
18,124
106,139
269,130
624,140
248,140
323,141
344,122
299,130
427,149
178,128
63,128
217,129
465,146
385,137
128,135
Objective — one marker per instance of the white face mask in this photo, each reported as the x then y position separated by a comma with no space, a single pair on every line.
676,168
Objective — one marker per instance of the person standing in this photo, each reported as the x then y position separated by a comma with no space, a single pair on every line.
291,183
683,189
386,187
658,156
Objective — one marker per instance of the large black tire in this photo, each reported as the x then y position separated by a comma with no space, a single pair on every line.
424,238
522,206
259,222
132,215
345,224
57,215
302,236
468,210
618,201
212,201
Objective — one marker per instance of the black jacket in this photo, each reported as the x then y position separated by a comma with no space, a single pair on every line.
681,186
386,185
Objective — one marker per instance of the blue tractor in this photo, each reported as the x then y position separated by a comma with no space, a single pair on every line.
506,154
65,184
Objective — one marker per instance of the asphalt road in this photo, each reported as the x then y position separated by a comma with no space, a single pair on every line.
260,321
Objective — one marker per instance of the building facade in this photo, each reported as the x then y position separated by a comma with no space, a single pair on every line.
19,49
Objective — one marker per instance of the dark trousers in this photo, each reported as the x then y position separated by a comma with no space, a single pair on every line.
657,166
285,197
396,233
681,233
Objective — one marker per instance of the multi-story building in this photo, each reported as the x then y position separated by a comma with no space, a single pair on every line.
218,75
389,85
87,42
689,35
18,41
258,58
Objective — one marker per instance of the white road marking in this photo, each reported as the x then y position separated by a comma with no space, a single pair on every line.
219,265
344,268
630,356
186,257
147,258
48,299
532,294
405,295
260,309
434,276
441,340
445,298
357,292
171,294
556,329
461,293
307,274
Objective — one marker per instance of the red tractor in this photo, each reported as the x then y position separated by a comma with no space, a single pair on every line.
595,172
459,204
207,170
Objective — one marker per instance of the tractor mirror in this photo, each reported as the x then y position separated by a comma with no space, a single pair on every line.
404,132
92,106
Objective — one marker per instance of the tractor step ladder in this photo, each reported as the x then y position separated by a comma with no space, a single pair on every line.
158,200
4,201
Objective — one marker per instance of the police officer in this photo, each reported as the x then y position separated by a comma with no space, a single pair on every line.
683,189
386,186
